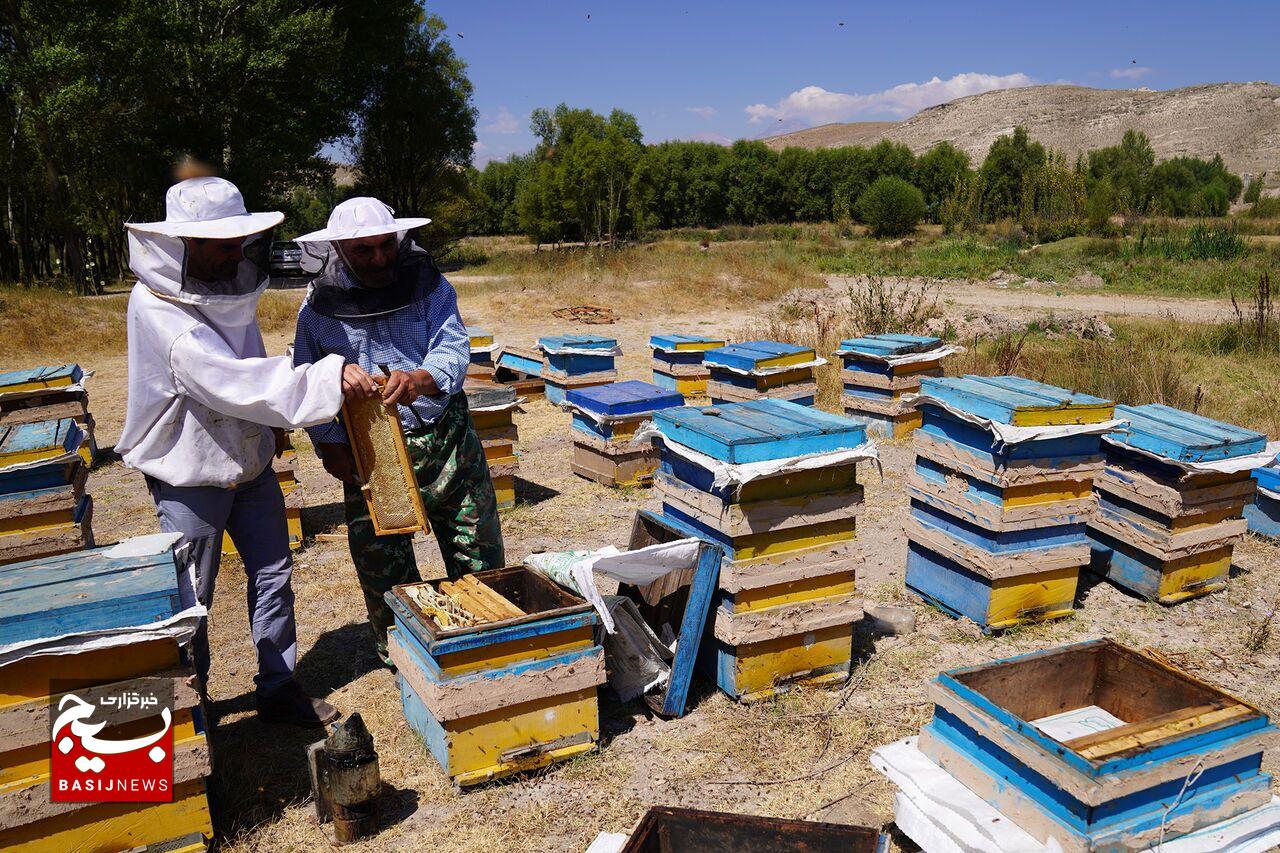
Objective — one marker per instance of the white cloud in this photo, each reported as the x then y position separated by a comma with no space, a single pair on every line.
816,105
701,112
504,121
1132,72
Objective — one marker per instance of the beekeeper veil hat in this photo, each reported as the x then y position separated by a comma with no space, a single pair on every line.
209,251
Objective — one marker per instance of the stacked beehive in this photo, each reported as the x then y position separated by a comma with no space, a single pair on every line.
998,511
44,509
882,374
1263,514
677,363
786,600
482,349
521,368
605,420
49,394
755,370
498,672
577,361
1088,747
1171,502
493,408
126,599
286,467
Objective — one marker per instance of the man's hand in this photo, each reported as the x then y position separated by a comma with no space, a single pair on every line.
356,384
339,462
403,387
282,441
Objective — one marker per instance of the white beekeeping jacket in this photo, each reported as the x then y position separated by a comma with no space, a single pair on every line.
203,394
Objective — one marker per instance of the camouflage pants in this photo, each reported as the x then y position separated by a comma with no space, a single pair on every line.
453,479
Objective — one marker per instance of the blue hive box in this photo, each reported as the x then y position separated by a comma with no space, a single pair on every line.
1095,746
1165,530
1263,515
603,449
877,391
773,370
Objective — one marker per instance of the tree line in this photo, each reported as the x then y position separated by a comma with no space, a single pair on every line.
102,99
591,178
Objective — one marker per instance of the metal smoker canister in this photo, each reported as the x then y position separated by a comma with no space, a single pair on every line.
352,780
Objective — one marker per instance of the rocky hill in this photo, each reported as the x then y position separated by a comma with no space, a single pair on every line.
1240,121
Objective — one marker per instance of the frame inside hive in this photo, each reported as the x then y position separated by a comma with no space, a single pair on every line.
382,460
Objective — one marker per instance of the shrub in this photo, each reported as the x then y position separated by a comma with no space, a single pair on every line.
1266,207
891,207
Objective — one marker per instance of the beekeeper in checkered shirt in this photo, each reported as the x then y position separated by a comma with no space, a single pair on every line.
381,303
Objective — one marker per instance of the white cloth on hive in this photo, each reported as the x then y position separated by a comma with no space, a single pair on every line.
907,358
765,371
1261,459
1011,434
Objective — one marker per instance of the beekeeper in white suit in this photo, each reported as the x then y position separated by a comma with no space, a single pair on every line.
207,407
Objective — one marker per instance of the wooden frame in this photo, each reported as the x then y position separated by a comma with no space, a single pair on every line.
360,419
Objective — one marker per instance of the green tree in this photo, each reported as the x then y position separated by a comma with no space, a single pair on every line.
1008,163
1053,199
753,187
1190,186
1253,191
891,207
937,171
416,134
679,185
1126,168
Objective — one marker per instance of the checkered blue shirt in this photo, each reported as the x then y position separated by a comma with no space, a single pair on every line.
427,334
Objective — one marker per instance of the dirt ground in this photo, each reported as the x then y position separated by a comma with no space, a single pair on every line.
803,755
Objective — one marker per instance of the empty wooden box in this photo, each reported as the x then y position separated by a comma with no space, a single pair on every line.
1095,746
670,830
502,695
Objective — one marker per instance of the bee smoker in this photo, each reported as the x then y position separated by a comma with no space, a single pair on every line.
345,780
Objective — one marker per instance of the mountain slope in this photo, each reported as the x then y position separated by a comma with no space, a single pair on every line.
1240,121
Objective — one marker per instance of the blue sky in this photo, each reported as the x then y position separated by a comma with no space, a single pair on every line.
723,71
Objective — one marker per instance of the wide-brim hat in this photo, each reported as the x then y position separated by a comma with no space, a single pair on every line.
207,207
361,217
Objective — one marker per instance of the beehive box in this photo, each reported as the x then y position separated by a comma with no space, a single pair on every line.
576,361
786,601
1263,515
605,420
998,530
482,346
1166,529
880,374
44,509
677,363
389,485
493,408
520,368
1095,746
95,592
48,393
505,695
755,370
671,830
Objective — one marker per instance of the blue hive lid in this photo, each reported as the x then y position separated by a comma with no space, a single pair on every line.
624,398
1185,437
1017,401
759,430
890,345
556,342
690,342
70,373
752,355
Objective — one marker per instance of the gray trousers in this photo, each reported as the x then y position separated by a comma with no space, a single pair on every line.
253,514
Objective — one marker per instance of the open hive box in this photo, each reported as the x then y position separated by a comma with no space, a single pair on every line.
605,421
757,369
671,830
521,369
880,371
44,506
786,601
1098,746
1167,523
998,528
498,671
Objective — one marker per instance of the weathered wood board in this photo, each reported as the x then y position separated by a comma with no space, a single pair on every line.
387,479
